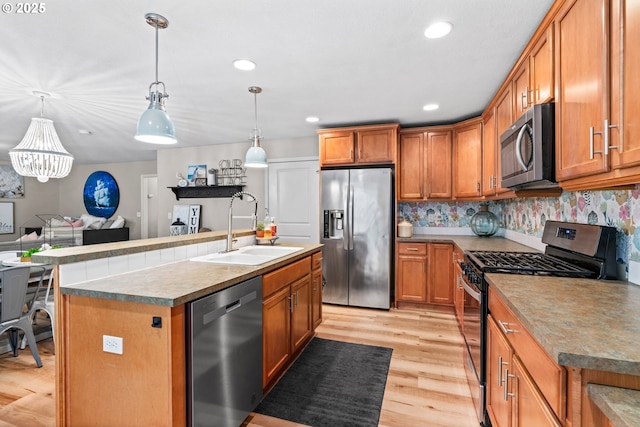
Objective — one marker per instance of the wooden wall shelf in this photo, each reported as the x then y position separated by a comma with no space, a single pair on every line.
205,192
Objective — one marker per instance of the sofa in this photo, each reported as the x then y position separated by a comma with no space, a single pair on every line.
57,230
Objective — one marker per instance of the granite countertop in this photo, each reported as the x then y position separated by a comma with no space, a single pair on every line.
104,250
470,243
583,323
180,282
619,405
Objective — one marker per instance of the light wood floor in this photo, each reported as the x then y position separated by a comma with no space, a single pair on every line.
426,385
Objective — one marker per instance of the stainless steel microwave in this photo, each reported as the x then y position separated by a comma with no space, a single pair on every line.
527,150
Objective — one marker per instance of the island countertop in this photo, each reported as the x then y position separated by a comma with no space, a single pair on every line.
583,323
179,282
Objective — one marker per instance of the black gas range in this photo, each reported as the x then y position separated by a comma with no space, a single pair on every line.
573,250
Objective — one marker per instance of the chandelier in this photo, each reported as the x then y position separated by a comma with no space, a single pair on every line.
40,154
256,156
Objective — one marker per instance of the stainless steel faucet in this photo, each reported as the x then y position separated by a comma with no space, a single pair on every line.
254,217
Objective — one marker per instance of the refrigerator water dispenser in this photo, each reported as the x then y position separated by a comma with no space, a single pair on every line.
333,224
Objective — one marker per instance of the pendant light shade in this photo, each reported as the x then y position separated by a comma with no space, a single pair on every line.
256,156
155,125
40,154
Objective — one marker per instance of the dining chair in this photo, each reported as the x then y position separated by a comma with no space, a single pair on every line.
42,302
14,283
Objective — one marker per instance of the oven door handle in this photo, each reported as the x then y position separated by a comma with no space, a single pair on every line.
475,295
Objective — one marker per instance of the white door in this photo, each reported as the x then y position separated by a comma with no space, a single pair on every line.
148,206
293,192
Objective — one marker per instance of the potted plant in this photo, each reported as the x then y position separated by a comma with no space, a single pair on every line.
26,255
260,229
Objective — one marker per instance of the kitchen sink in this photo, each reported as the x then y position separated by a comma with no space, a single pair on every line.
249,255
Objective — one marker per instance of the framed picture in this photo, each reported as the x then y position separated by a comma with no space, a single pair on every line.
201,182
101,194
196,171
11,184
6,217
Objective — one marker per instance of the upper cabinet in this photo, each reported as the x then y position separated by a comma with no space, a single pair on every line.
358,145
467,159
533,79
597,113
424,164
581,93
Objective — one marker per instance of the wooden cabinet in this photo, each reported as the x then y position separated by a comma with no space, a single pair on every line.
424,273
411,283
358,145
597,120
458,290
286,317
533,80
541,68
490,155
440,289
424,164
625,84
582,94
316,289
498,366
467,159
524,385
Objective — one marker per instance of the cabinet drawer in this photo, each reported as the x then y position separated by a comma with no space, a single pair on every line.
412,248
316,261
284,276
548,375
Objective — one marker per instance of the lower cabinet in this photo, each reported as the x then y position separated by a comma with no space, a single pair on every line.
524,386
286,317
316,289
424,273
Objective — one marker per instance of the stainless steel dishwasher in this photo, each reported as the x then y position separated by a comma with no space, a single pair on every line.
224,355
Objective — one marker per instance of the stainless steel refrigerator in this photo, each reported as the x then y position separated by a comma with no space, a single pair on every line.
357,217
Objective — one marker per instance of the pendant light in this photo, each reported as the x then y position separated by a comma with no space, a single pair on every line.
155,126
256,156
40,154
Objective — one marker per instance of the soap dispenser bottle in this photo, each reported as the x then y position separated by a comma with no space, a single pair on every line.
273,226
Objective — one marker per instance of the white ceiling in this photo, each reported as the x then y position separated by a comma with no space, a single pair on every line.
347,62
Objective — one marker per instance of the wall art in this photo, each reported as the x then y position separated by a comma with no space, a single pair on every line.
11,184
6,217
195,172
101,194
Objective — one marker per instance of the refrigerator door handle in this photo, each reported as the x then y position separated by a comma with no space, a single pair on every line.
347,223
350,217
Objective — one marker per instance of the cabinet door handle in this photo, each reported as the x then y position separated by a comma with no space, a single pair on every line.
592,151
412,249
503,326
296,303
290,303
501,378
315,285
478,186
607,147
507,375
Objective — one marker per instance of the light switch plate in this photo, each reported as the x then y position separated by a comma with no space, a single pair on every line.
112,344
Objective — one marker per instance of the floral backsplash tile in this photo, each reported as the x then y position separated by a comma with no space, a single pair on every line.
614,208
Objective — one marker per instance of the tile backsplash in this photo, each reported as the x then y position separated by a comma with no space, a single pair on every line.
527,216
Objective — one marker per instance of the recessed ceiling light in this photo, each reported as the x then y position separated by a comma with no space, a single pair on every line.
84,132
437,30
244,64
430,107
312,119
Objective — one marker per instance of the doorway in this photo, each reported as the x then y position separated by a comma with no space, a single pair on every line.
148,206
293,199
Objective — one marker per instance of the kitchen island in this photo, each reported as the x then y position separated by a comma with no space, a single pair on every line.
142,302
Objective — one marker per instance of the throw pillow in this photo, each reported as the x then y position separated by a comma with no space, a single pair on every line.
92,222
108,223
118,223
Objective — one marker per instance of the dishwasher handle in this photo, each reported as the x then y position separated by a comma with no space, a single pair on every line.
218,312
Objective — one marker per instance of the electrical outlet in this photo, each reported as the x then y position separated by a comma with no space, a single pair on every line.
169,215
111,344
432,218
